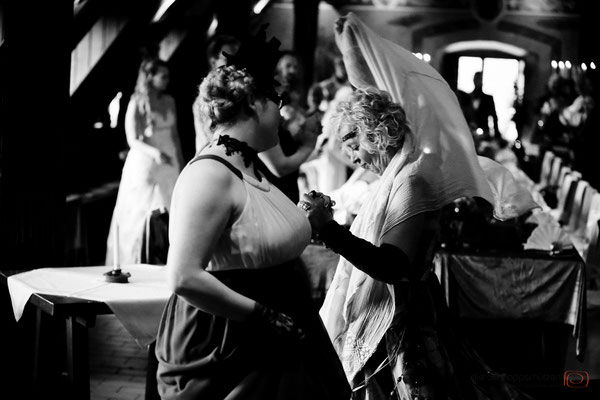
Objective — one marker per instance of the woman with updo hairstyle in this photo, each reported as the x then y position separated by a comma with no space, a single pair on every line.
240,323
384,310
153,161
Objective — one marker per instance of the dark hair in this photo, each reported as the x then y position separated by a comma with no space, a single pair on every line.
217,42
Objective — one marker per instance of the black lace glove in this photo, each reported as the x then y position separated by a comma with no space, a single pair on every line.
275,323
385,263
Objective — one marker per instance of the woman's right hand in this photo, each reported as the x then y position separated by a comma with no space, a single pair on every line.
162,158
318,208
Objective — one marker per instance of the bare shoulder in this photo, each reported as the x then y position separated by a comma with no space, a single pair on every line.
206,178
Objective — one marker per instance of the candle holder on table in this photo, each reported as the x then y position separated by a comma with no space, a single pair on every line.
116,275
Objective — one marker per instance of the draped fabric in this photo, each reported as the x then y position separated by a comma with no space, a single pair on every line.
436,165
535,287
203,356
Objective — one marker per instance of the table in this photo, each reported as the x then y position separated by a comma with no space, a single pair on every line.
525,285
75,296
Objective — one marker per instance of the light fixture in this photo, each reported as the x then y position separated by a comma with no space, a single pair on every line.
260,6
162,9
592,65
568,64
213,27
113,109
554,64
561,64
583,67
426,57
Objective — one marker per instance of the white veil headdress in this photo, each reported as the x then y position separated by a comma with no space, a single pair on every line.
436,165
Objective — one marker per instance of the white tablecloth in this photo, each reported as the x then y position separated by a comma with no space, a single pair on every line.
137,304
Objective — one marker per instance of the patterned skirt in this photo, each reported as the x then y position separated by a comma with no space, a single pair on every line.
423,356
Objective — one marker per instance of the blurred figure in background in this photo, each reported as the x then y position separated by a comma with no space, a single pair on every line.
479,109
550,132
584,114
153,162
290,75
336,81
297,132
329,169
317,104
217,45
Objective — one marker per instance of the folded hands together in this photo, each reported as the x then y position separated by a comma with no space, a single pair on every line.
318,209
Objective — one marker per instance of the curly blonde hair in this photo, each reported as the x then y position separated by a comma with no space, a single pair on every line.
222,95
375,118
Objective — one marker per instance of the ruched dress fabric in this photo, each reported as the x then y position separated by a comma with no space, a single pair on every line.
145,186
202,356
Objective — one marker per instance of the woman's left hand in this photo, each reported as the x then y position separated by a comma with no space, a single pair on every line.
318,208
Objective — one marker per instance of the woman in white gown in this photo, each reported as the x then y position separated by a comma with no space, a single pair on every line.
153,162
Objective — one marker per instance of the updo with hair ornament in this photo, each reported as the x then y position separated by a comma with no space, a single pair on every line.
259,58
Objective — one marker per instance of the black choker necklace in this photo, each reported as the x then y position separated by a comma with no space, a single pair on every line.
249,155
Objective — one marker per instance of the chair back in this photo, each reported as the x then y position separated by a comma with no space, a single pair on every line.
546,168
581,226
593,216
565,170
592,258
155,243
575,215
555,171
565,195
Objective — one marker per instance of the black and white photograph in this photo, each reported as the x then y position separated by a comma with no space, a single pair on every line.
299,200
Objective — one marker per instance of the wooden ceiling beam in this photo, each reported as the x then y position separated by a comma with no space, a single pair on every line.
114,18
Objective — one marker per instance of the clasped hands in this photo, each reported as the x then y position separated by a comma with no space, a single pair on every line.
318,208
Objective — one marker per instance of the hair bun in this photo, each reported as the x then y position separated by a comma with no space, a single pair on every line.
223,94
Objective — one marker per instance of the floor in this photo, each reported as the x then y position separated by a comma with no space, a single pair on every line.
118,364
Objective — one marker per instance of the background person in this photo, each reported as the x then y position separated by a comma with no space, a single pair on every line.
479,109
153,162
217,45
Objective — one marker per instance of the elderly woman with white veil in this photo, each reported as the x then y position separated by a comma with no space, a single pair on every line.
384,310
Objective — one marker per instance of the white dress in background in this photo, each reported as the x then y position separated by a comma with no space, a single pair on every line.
145,186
